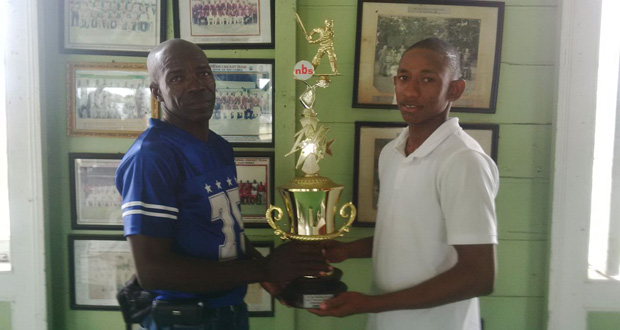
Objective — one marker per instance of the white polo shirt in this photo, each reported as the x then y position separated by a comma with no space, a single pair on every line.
442,194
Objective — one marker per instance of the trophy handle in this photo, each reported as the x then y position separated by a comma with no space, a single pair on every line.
308,238
351,216
270,220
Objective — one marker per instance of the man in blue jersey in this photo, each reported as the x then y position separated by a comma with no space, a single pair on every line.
181,207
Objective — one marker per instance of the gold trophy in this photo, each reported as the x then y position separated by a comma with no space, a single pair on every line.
311,200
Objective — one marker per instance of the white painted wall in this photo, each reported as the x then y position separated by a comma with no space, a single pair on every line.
24,285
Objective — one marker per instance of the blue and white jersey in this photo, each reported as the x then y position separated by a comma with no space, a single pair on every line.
176,186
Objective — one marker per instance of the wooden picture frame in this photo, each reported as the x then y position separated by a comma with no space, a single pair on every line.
385,29
255,178
225,24
260,302
374,136
119,27
244,112
109,99
95,202
98,267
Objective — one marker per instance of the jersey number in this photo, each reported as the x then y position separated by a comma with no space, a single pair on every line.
225,207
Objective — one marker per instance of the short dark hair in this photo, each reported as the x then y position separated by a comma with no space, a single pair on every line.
444,48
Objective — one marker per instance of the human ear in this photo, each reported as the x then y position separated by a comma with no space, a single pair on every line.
457,87
155,92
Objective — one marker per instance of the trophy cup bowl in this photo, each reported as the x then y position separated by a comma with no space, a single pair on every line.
311,205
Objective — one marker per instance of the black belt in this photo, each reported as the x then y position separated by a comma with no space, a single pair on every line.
187,312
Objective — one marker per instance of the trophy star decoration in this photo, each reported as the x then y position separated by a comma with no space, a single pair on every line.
310,140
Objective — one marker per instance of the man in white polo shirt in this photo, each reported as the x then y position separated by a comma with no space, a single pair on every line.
434,245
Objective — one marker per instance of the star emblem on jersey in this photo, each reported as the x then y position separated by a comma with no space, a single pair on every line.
218,184
229,182
208,188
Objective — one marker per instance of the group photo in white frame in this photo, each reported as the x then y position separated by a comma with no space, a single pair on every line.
112,27
99,266
225,24
244,101
95,201
255,172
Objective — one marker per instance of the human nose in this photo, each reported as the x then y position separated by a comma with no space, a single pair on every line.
410,88
195,83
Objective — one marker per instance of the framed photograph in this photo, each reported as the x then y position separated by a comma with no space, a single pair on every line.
95,202
225,24
260,302
112,27
385,29
109,99
98,267
244,108
374,136
255,180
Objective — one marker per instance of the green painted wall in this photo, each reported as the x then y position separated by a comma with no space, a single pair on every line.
525,111
5,315
603,321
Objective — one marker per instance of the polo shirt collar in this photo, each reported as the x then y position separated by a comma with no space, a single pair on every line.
446,129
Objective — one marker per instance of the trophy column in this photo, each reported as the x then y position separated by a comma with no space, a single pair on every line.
311,200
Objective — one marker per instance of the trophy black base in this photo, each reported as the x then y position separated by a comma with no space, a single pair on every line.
310,292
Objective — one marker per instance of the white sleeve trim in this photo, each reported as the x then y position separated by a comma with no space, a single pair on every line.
150,206
152,214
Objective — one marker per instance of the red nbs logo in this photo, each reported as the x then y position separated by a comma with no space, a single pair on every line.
303,70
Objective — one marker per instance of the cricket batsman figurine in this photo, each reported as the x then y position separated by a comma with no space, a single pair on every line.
326,43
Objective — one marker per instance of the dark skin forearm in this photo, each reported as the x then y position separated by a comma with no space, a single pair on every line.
465,280
336,251
361,248
158,268
472,276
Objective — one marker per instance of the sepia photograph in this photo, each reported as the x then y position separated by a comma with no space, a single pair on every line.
387,29
113,27
109,99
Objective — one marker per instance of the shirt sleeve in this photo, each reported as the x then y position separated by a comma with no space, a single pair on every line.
147,182
467,185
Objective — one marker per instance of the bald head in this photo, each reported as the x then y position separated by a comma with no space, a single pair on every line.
168,49
449,52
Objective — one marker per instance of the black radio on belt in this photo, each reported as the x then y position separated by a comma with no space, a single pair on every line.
178,312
